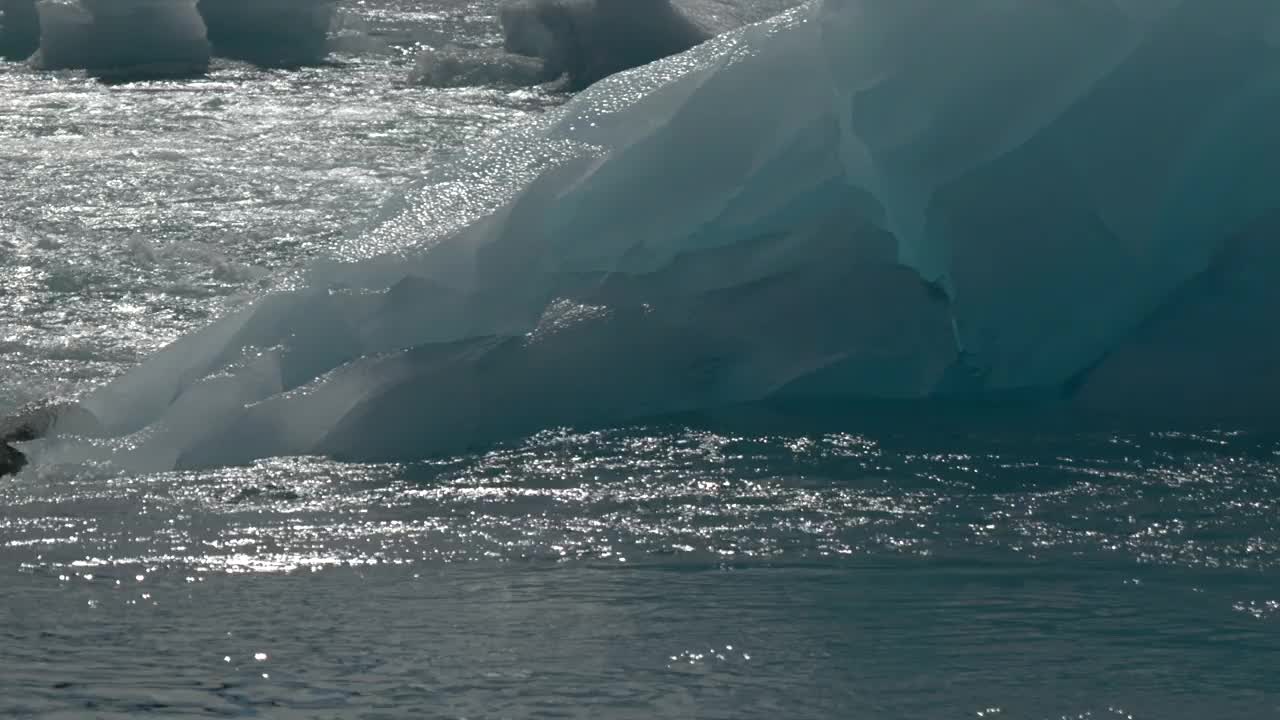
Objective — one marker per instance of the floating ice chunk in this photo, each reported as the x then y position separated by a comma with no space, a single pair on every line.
269,32
19,29
122,39
856,199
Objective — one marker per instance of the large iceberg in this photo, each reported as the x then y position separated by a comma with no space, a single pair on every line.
1069,201
122,39
19,29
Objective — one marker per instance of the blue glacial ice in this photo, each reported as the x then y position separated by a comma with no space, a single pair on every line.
855,199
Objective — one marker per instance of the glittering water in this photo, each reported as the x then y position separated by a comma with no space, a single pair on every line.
763,564
133,213
664,572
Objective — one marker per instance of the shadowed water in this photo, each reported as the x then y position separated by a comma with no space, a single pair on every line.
664,572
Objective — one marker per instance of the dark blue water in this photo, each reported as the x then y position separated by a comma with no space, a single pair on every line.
672,571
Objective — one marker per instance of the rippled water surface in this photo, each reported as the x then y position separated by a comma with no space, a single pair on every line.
663,572
761,564
133,213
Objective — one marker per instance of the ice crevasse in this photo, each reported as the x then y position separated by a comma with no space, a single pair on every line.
855,199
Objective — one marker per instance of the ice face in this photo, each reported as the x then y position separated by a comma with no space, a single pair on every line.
855,199
1212,349
122,38
19,29
269,32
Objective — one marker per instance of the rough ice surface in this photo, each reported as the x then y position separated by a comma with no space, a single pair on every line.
19,29
269,32
122,39
858,198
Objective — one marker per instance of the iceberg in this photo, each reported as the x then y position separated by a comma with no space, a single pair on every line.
276,33
1071,202
19,29
122,39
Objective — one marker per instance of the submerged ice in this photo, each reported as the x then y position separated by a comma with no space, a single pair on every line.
1072,201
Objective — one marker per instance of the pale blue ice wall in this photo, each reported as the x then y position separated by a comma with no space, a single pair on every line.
858,198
